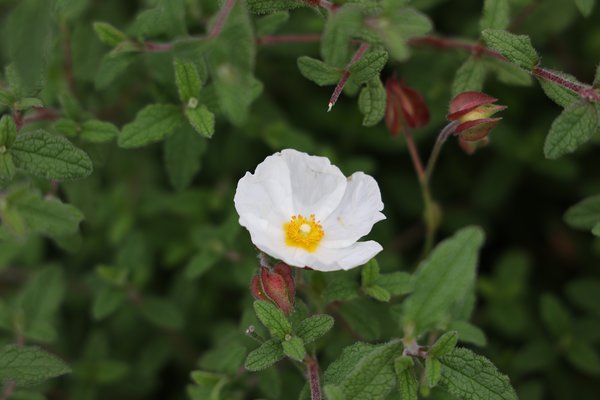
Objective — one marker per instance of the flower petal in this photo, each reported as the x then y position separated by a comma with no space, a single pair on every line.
317,186
266,194
358,211
327,259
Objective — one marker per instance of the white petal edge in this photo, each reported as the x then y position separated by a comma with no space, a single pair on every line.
358,211
317,185
323,259
266,194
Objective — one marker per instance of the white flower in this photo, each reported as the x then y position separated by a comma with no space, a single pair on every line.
304,211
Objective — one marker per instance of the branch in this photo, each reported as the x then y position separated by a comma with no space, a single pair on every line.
345,75
452,43
221,18
279,39
312,366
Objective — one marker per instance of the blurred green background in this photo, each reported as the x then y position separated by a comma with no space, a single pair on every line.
156,283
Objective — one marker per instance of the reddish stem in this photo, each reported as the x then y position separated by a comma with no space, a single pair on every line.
221,18
278,39
346,74
313,377
586,92
154,47
68,59
41,114
451,43
414,155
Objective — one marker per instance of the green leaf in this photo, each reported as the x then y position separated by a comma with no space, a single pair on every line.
152,124
95,131
183,158
111,67
369,66
516,48
29,365
269,6
106,301
403,363
396,283
187,80
66,127
236,90
585,6
361,317
469,376
444,345
469,77
433,371
162,312
273,319
333,392
555,315
7,168
201,263
335,41
294,348
312,328
496,14
52,157
585,293
468,333
407,384
585,214
369,272
559,94
570,129
108,34
166,17
443,279
270,24
341,290
266,355
6,98
584,357
202,120
371,102
378,293
8,132
27,103
318,72
509,73
48,216
365,372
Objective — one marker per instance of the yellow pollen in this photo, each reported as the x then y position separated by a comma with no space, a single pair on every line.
305,233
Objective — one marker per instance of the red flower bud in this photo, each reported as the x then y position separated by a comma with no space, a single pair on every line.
405,107
276,286
473,111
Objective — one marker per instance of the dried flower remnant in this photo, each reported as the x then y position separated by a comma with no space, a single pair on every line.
405,107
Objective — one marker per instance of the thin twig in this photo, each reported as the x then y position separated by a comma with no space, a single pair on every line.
345,75
279,39
68,59
312,366
221,18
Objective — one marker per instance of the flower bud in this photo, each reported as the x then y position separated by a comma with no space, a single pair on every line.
276,286
405,107
473,110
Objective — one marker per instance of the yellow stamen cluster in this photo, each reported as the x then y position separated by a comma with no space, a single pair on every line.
305,233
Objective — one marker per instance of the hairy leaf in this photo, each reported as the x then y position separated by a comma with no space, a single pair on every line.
517,48
151,124
29,365
570,129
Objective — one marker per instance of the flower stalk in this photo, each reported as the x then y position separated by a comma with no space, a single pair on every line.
345,75
312,367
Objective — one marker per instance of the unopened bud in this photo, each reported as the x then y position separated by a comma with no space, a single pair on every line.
473,111
405,107
276,286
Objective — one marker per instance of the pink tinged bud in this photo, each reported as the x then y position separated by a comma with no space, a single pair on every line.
276,286
286,272
466,102
472,110
472,131
257,290
405,107
469,147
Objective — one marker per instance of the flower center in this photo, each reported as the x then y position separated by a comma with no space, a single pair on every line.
302,232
